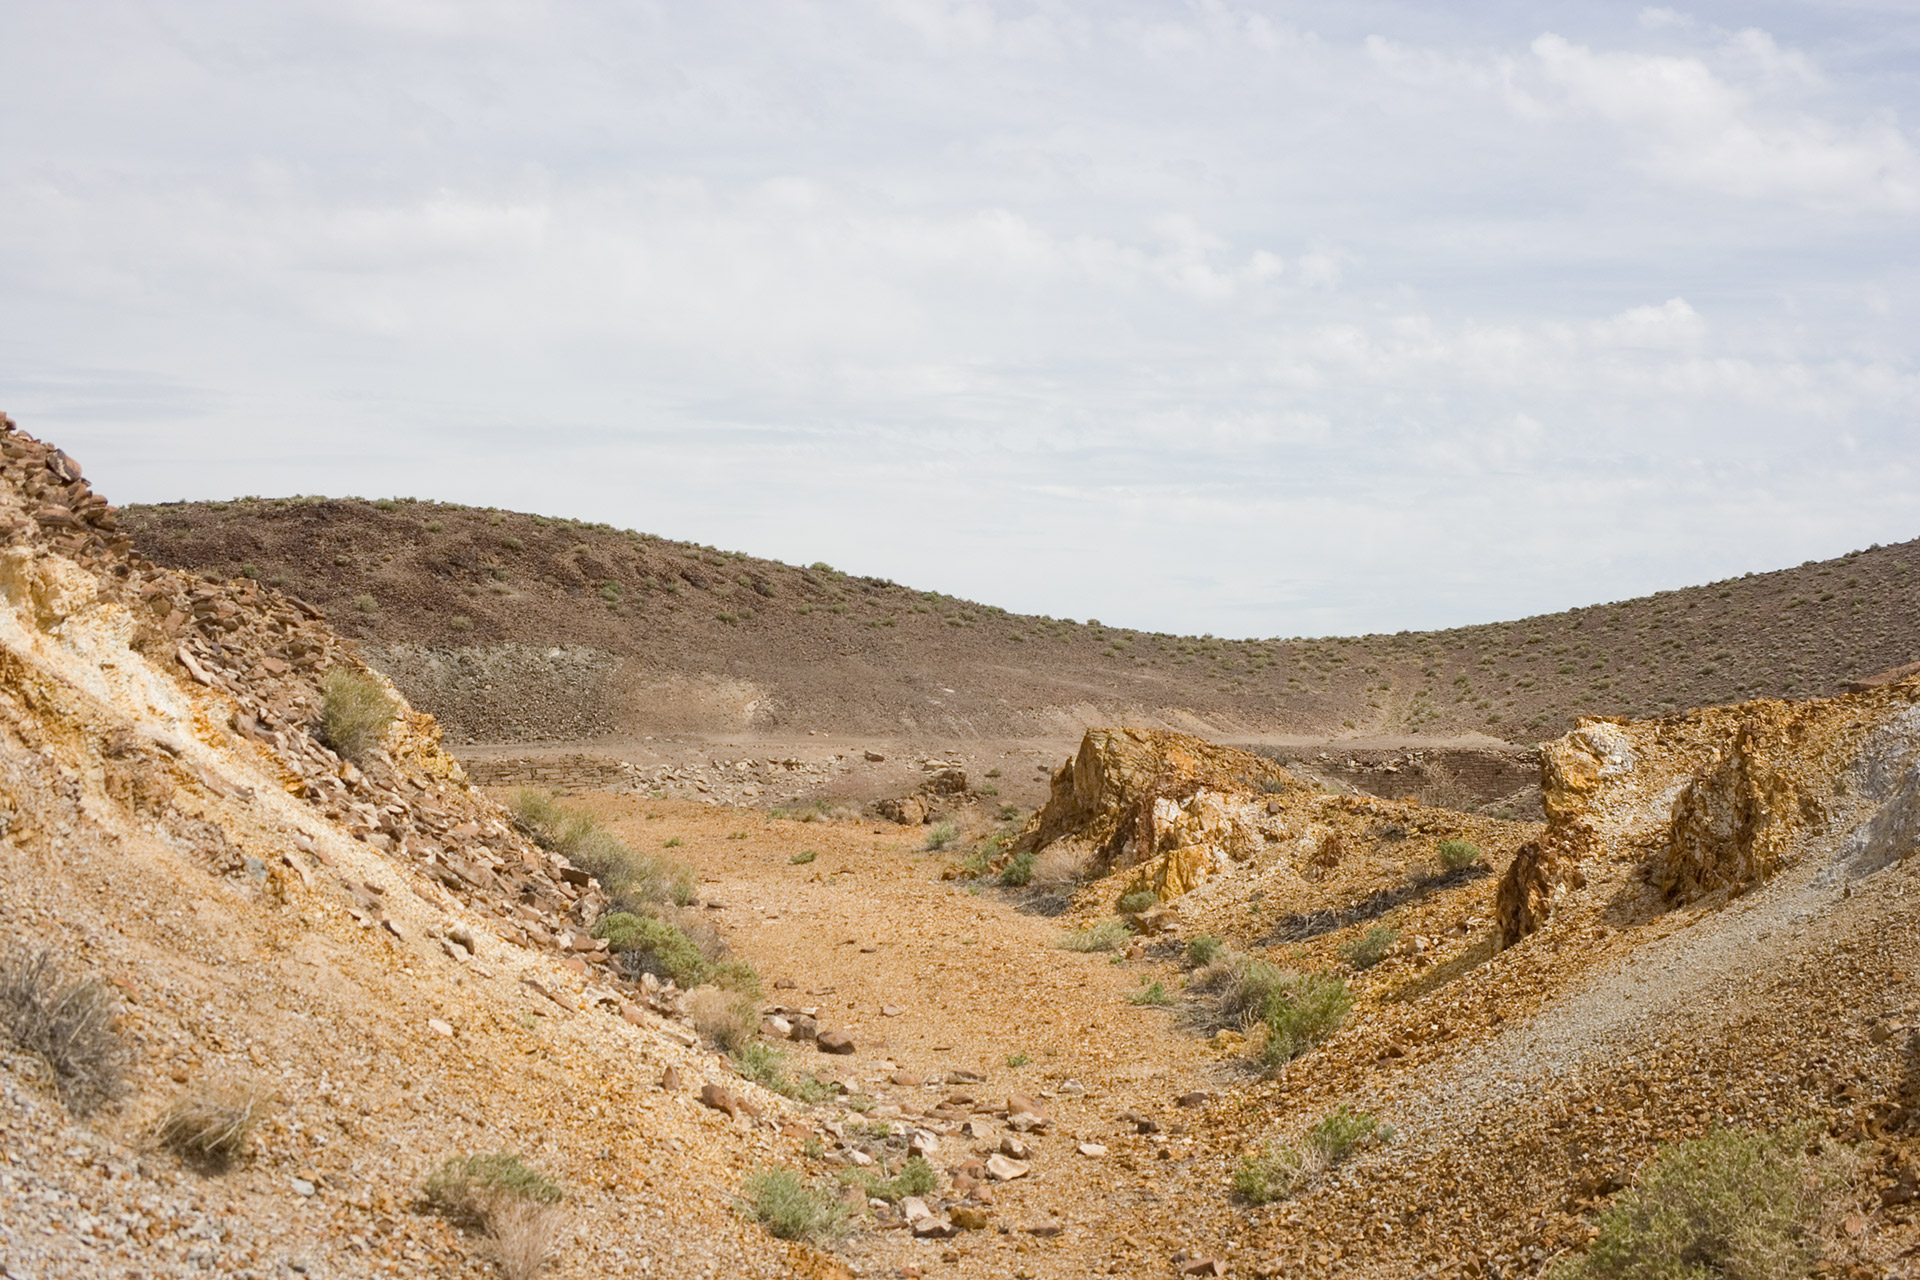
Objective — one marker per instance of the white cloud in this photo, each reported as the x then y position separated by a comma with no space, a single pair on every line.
1694,127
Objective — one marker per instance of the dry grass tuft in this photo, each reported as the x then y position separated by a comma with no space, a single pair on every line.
71,1026
526,1237
726,1018
355,713
210,1128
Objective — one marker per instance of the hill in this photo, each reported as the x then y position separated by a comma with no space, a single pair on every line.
1194,1015
515,627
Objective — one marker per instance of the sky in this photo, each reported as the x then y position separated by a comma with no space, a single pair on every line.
1244,318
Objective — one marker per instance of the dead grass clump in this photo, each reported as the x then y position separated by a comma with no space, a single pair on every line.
1059,869
210,1128
727,1018
1279,1171
526,1237
71,1026
355,713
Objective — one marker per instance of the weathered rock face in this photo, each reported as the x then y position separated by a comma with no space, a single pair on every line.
1719,800
1177,811
1134,795
1734,819
1542,872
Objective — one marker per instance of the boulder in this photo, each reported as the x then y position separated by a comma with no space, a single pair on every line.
834,1042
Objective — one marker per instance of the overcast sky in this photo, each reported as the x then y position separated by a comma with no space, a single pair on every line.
1257,319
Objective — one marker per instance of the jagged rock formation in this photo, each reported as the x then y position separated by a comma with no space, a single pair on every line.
1175,811
1719,800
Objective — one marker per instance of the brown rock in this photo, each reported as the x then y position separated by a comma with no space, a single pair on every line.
969,1217
670,1079
1543,872
835,1042
1204,1267
1003,1168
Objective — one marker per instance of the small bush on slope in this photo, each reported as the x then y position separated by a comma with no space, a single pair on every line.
630,877
355,713
789,1208
1734,1205
1279,1171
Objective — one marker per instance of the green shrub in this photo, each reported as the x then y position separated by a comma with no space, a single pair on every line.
789,1208
471,1189
1018,1060
916,1176
1018,873
71,1026
1134,903
630,877
355,713
648,944
1152,995
1370,948
803,857
1108,935
1735,1204
942,835
1304,1010
365,603
1202,949
1276,1171
1455,854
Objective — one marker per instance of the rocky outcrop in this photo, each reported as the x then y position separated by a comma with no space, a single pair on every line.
1175,811
1542,873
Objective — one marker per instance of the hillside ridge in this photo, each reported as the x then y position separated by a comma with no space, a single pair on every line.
514,627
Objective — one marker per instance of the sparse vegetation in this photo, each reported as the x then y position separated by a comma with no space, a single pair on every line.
1277,1171
1153,994
650,944
1018,873
210,1128
1108,935
1297,1010
1371,947
69,1025
1203,949
470,1190
355,713
727,1018
1136,902
365,603
940,836
1736,1203
1018,1060
631,878
1456,854
803,857
790,1208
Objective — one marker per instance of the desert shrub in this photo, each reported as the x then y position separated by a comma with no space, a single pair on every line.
630,877
1455,854
71,1026
941,835
803,857
355,713
916,1178
210,1128
460,622
1238,987
1370,948
1018,873
1202,949
1303,1011
1156,994
649,944
727,1018
1280,1170
470,1190
1736,1204
791,1209
365,603
1136,902
1108,935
